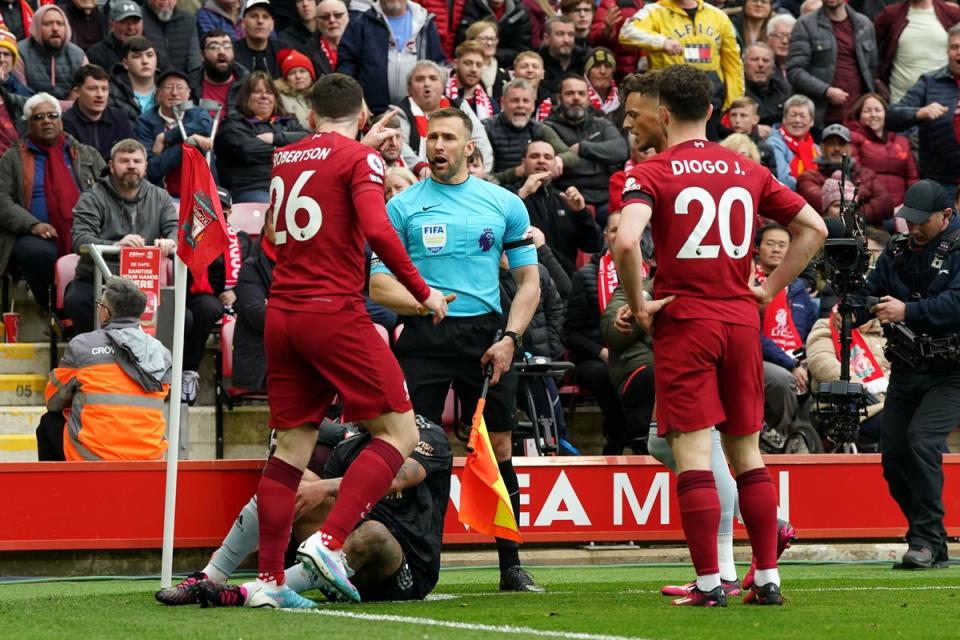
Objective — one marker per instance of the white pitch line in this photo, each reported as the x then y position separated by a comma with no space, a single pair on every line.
790,590
467,626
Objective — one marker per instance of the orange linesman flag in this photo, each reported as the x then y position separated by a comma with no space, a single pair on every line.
203,231
484,502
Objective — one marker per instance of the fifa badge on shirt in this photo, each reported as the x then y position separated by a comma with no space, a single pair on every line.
434,237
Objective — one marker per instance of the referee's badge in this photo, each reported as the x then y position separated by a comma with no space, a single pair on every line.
434,237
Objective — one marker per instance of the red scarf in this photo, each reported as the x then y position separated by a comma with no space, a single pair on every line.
778,319
544,109
331,52
484,108
608,280
231,267
804,152
62,192
605,105
863,363
421,119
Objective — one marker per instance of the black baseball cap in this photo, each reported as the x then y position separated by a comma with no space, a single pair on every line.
923,199
172,72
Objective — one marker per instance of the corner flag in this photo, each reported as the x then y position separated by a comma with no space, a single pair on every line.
202,228
484,502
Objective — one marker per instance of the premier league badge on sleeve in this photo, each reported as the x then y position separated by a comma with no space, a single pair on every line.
434,237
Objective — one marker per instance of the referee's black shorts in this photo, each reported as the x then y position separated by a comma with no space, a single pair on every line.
434,357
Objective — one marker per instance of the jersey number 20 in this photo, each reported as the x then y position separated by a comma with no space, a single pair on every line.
291,205
693,248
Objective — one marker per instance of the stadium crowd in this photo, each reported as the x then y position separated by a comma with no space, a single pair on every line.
92,99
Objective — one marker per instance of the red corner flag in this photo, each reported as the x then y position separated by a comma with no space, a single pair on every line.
484,502
203,229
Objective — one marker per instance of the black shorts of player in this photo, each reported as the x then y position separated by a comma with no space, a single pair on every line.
434,357
409,582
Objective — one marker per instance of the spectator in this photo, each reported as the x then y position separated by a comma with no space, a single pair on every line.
779,28
595,140
121,209
297,76
126,21
528,66
41,177
830,202
113,382
381,47
158,132
931,104
317,31
562,216
791,141
91,119
48,60
9,83
257,51
785,323
601,87
134,83
425,85
513,26
763,85
605,32
174,33
246,143
742,144
88,24
751,23
655,29
13,94
540,11
17,14
876,206
884,152
912,36
581,13
398,179
833,59
493,76
222,15
464,82
512,130
743,119
220,76
252,291
391,150
583,338
560,53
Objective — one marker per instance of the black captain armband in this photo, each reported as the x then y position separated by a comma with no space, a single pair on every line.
516,244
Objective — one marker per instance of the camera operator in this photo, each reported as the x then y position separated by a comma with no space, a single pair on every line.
917,281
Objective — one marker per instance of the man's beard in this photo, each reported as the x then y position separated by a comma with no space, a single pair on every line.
165,15
575,113
452,169
52,49
518,121
211,71
131,181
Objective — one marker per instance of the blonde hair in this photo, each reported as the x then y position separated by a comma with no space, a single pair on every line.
742,144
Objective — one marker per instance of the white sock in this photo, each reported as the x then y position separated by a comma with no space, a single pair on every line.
728,570
766,576
298,579
708,582
215,574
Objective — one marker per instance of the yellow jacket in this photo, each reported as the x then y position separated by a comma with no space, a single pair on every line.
709,43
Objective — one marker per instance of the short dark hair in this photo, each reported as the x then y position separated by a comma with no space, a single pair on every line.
548,25
94,71
453,112
686,92
646,84
247,86
335,96
876,234
765,229
573,76
566,6
214,33
124,297
137,44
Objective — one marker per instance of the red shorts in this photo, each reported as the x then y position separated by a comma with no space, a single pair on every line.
708,373
312,357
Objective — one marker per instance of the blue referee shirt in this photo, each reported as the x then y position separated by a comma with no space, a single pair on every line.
455,235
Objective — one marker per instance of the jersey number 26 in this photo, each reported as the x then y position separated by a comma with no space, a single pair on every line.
693,248
290,206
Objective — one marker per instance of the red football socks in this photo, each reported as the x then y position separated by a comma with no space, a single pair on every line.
276,497
364,483
758,508
700,516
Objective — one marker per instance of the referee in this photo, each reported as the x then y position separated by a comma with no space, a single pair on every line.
455,228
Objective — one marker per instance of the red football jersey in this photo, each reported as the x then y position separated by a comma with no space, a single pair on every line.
705,202
320,230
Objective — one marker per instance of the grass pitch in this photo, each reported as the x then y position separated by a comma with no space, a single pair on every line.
583,603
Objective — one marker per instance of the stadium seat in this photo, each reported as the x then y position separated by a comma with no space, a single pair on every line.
225,393
248,217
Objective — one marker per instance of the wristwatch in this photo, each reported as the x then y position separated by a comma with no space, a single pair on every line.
516,337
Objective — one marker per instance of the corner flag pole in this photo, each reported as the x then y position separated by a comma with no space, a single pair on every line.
173,424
